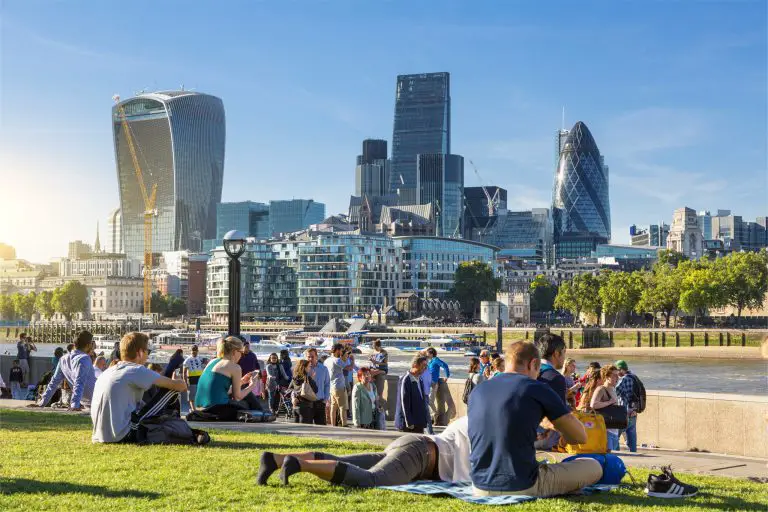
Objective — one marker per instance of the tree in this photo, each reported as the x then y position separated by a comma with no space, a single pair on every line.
543,294
744,280
580,295
473,283
24,305
158,304
620,292
661,291
7,311
70,299
700,287
670,258
44,304
176,306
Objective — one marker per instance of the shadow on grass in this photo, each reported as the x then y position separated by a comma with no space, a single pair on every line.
26,486
705,500
15,421
273,447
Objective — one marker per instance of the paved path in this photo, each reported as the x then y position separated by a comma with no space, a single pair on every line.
688,462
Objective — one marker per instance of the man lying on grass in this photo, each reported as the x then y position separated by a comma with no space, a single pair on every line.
119,415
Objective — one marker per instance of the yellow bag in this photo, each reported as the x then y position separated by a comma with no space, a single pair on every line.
597,439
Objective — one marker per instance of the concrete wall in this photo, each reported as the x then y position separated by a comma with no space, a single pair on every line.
717,423
37,367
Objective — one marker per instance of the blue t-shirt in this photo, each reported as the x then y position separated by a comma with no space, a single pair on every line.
555,380
503,415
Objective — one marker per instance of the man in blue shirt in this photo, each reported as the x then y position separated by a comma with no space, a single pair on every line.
76,367
433,367
552,350
323,380
504,413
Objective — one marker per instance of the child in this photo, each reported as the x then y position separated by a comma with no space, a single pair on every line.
16,378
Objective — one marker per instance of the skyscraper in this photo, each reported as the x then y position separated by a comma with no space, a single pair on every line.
422,125
294,215
114,232
580,197
179,138
372,170
440,181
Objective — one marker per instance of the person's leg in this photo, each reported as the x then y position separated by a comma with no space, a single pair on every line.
631,434
163,400
306,412
319,413
613,441
335,404
270,462
192,393
380,380
24,363
565,477
16,390
344,407
432,402
253,402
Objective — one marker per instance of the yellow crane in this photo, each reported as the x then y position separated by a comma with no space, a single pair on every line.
149,207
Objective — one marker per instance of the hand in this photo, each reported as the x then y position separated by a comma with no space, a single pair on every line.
246,379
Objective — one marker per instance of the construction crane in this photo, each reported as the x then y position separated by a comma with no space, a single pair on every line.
492,201
150,211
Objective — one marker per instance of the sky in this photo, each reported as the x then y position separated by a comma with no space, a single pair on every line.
673,92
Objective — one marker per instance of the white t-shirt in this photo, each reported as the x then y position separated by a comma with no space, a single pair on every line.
194,366
117,394
453,451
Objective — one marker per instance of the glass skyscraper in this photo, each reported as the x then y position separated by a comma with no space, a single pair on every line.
440,182
580,198
179,139
422,125
294,215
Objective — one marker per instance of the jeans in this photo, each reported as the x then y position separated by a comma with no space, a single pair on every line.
274,400
613,440
631,433
16,393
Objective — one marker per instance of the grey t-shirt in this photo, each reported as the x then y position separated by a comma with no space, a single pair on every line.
117,394
335,367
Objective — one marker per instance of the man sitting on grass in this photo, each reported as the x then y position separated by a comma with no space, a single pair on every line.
76,368
119,415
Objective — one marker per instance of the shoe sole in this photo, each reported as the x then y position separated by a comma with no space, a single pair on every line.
668,495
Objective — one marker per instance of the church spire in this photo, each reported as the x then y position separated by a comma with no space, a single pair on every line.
97,245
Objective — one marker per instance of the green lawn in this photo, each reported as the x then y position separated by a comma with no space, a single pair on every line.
49,463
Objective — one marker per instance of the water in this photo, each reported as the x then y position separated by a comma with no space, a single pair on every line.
699,375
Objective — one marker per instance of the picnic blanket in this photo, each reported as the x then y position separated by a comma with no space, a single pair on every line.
463,491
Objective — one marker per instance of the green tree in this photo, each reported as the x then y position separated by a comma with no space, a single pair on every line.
44,304
176,306
543,294
620,292
70,299
579,295
661,291
7,311
670,258
158,304
700,287
743,277
24,305
473,283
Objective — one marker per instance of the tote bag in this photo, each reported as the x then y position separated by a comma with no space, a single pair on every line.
306,392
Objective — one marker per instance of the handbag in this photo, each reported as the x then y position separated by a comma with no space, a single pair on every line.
597,439
306,392
615,416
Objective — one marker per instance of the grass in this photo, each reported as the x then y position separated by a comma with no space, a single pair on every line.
49,463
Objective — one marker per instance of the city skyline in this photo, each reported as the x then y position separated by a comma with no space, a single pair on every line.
674,94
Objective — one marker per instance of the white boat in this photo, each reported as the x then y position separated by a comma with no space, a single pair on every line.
263,348
446,343
105,343
181,339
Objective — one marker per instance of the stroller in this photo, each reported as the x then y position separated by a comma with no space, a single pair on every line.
285,405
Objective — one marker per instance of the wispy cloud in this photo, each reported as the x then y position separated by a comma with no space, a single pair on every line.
654,129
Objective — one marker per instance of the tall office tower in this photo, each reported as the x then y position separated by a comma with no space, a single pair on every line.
580,197
440,182
705,223
422,126
294,215
114,232
372,169
179,139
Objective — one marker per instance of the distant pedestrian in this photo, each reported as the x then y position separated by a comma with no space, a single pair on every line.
364,400
322,378
192,369
57,354
552,350
249,362
411,406
336,366
176,361
473,378
379,364
435,365
497,367
115,355
15,380
24,347
305,391
485,365
275,376
631,393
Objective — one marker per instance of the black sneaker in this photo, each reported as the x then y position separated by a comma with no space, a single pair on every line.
666,485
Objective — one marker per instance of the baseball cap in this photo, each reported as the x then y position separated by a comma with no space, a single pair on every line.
622,365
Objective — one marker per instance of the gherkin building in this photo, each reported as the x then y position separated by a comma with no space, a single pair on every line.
580,198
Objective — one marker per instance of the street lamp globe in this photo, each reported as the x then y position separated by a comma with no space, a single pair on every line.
234,243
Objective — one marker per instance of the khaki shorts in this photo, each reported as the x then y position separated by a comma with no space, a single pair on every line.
557,479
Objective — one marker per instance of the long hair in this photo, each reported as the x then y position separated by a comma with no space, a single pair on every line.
593,382
301,369
568,361
605,373
474,365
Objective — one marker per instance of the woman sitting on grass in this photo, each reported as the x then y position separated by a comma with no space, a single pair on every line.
412,457
219,388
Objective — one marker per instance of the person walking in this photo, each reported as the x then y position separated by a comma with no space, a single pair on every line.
364,400
435,364
24,347
411,413
305,391
192,370
631,393
336,366
322,378
604,396
275,375
379,365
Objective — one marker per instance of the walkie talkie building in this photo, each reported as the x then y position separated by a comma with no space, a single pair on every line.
179,139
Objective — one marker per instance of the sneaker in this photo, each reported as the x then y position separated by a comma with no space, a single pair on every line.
666,485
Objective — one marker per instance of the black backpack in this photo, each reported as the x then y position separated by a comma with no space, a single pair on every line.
469,385
638,395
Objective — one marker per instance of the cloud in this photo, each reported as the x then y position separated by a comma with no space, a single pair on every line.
654,129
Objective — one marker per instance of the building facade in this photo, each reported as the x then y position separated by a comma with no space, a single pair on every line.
79,250
247,217
524,235
685,234
580,198
440,182
422,125
179,138
372,169
294,215
478,221
114,241
100,265
654,235
108,297
198,270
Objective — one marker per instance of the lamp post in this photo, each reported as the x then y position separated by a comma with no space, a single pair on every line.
234,245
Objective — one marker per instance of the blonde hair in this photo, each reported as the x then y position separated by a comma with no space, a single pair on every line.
498,364
568,361
606,372
226,346
131,344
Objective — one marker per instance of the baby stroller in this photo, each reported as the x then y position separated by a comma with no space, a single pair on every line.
285,405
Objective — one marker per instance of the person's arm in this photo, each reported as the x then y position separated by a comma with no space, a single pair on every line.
357,400
236,373
83,370
405,398
327,385
571,429
53,385
166,383
185,374
447,370
597,402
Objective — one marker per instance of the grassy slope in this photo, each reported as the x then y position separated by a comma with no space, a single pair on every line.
48,463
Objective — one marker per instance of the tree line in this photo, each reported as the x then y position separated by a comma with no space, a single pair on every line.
674,285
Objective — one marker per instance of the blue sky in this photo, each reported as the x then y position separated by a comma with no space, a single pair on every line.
674,93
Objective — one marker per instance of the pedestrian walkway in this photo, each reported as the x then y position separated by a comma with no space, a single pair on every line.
685,462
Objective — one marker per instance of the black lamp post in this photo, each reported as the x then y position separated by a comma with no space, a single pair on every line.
234,245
